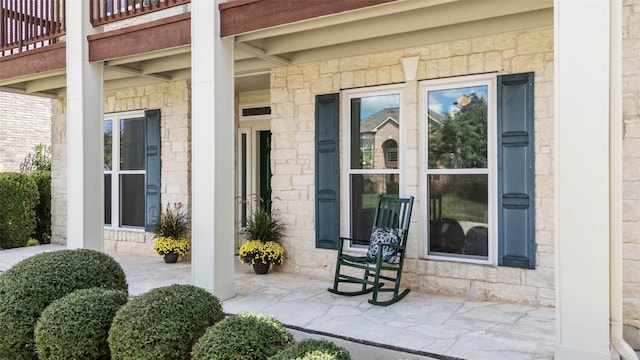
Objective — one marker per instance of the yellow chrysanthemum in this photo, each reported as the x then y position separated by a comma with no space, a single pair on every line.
168,245
259,252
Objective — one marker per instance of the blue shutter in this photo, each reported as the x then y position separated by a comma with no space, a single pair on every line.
152,183
327,171
516,171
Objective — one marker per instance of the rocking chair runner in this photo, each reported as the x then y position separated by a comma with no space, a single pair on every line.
386,253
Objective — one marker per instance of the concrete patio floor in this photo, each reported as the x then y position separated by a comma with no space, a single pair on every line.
421,326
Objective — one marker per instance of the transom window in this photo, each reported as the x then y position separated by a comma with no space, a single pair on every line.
371,157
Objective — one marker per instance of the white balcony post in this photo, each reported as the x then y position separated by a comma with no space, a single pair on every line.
212,136
582,183
85,185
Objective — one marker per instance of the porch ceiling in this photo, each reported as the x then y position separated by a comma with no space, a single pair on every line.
388,26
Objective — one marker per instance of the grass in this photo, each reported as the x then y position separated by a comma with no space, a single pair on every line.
455,207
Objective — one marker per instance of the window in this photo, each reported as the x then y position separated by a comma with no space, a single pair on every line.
460,181
370,166
479,178
129,152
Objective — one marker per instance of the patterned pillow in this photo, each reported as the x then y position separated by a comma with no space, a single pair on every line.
383,236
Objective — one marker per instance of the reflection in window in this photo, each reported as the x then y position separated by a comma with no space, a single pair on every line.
374,159
458,128
458,171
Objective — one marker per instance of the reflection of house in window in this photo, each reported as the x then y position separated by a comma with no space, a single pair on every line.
379,131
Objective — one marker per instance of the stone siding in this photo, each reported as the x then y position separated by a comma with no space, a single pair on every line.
631,163
292,93
173,100
25,121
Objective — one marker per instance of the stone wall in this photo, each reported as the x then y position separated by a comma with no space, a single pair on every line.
292,93
25,122
631,164
173,100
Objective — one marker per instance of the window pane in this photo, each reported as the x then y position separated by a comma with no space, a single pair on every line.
108,144
364,198
457,123
375,121
132,200
458,212
107,199
132,152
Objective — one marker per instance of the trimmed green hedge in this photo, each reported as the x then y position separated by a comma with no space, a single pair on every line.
18,199
76,326
312,349
28,287
244,336
163,323
43,208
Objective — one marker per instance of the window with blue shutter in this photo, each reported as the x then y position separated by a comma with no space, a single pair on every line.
516,171
152,183
327,171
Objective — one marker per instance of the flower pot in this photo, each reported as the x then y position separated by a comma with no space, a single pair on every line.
171,258
261,269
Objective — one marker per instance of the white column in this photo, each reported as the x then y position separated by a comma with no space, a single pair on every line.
582,39
212,149
85,188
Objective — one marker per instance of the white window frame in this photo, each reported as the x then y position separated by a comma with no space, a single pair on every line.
345,148
115,169
490,81
248,165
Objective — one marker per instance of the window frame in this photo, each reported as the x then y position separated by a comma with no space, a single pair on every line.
489,80
345,152
115,171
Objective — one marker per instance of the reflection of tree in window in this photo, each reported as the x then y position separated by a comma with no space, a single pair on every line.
460,140
390,148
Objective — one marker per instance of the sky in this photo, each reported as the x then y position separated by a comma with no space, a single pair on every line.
441,101
372,104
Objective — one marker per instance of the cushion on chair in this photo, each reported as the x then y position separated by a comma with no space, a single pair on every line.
381,235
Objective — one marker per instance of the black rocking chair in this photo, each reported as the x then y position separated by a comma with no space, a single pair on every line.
387,248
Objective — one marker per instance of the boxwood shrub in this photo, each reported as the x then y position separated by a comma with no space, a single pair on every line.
243,336
163,323
18,199
28,287
76,326
43,207
312,349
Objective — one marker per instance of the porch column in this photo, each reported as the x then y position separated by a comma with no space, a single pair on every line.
582,183
85,188
212,152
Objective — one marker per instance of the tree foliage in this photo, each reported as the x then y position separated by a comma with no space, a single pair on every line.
460,141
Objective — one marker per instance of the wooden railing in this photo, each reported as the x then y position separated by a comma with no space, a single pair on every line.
30,24
106,11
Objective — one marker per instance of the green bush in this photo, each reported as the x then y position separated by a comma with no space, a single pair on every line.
76,326
18,199
28,287
163,323
43,208
312,349
244,336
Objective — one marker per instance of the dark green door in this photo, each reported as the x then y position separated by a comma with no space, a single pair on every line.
265,169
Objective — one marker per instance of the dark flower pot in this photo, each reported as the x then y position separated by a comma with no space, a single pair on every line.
171,258
261,269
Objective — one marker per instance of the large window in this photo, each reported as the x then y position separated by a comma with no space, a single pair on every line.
460,181
371,155
124,170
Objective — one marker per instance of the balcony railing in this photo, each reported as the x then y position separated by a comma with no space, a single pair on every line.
106,11
30,24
